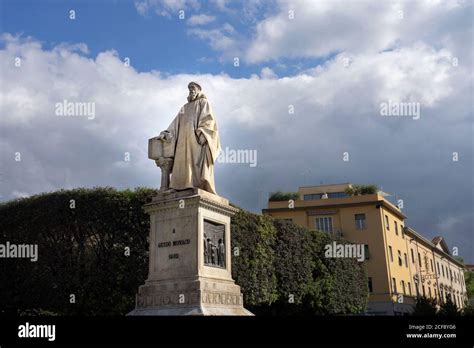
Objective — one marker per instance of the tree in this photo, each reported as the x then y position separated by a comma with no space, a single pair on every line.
448,308
425,306
469,278
358,190
468,310
283,196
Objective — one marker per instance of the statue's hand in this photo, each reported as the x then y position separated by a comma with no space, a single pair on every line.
165,135
202,139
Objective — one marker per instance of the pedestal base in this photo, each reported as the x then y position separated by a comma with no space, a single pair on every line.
202,296
190,258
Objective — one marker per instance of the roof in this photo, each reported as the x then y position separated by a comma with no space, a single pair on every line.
444,250
338,202
342,183
439,241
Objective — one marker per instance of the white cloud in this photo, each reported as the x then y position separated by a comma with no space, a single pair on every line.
317,29
165,8
141,7
224,38
131,106
17,194
221,5
268,73
200,19
336,110
449,223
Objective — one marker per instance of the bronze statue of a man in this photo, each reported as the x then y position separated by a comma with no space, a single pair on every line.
196,142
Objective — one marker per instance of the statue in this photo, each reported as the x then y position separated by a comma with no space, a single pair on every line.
221,253
189,217
189,147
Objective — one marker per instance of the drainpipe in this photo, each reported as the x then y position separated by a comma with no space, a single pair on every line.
437,275
408,256
417,264
451,282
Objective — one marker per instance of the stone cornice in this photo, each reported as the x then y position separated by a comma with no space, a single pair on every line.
191,201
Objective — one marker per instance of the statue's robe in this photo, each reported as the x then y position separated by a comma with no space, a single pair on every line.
197,145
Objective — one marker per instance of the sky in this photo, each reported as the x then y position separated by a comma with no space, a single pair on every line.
301,84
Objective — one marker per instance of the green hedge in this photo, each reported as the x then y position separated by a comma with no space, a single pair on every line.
301,280
82,251
283,196
253,256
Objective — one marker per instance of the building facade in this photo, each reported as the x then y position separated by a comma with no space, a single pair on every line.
401,264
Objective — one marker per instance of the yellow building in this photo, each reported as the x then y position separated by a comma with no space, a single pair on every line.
401,264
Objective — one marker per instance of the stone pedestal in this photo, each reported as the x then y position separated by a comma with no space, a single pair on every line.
190,257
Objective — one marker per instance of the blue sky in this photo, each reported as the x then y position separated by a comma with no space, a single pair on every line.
334,62
152,42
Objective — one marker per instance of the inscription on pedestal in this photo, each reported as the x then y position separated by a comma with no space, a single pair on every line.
214,244
173,243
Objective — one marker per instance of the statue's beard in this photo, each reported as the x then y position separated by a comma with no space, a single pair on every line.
192,98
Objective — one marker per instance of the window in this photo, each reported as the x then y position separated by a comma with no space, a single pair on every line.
431,264
400,258
403,233
317,196
412,256
451,275
429,291
360,221
370,284
390,251
394,284
437,265
423,289
403,287
312,197
366,251
337,194
442,268
396,228
406,259
387,223
324,224
419,259
409,288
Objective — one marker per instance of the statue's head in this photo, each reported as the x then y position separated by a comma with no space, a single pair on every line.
194,90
